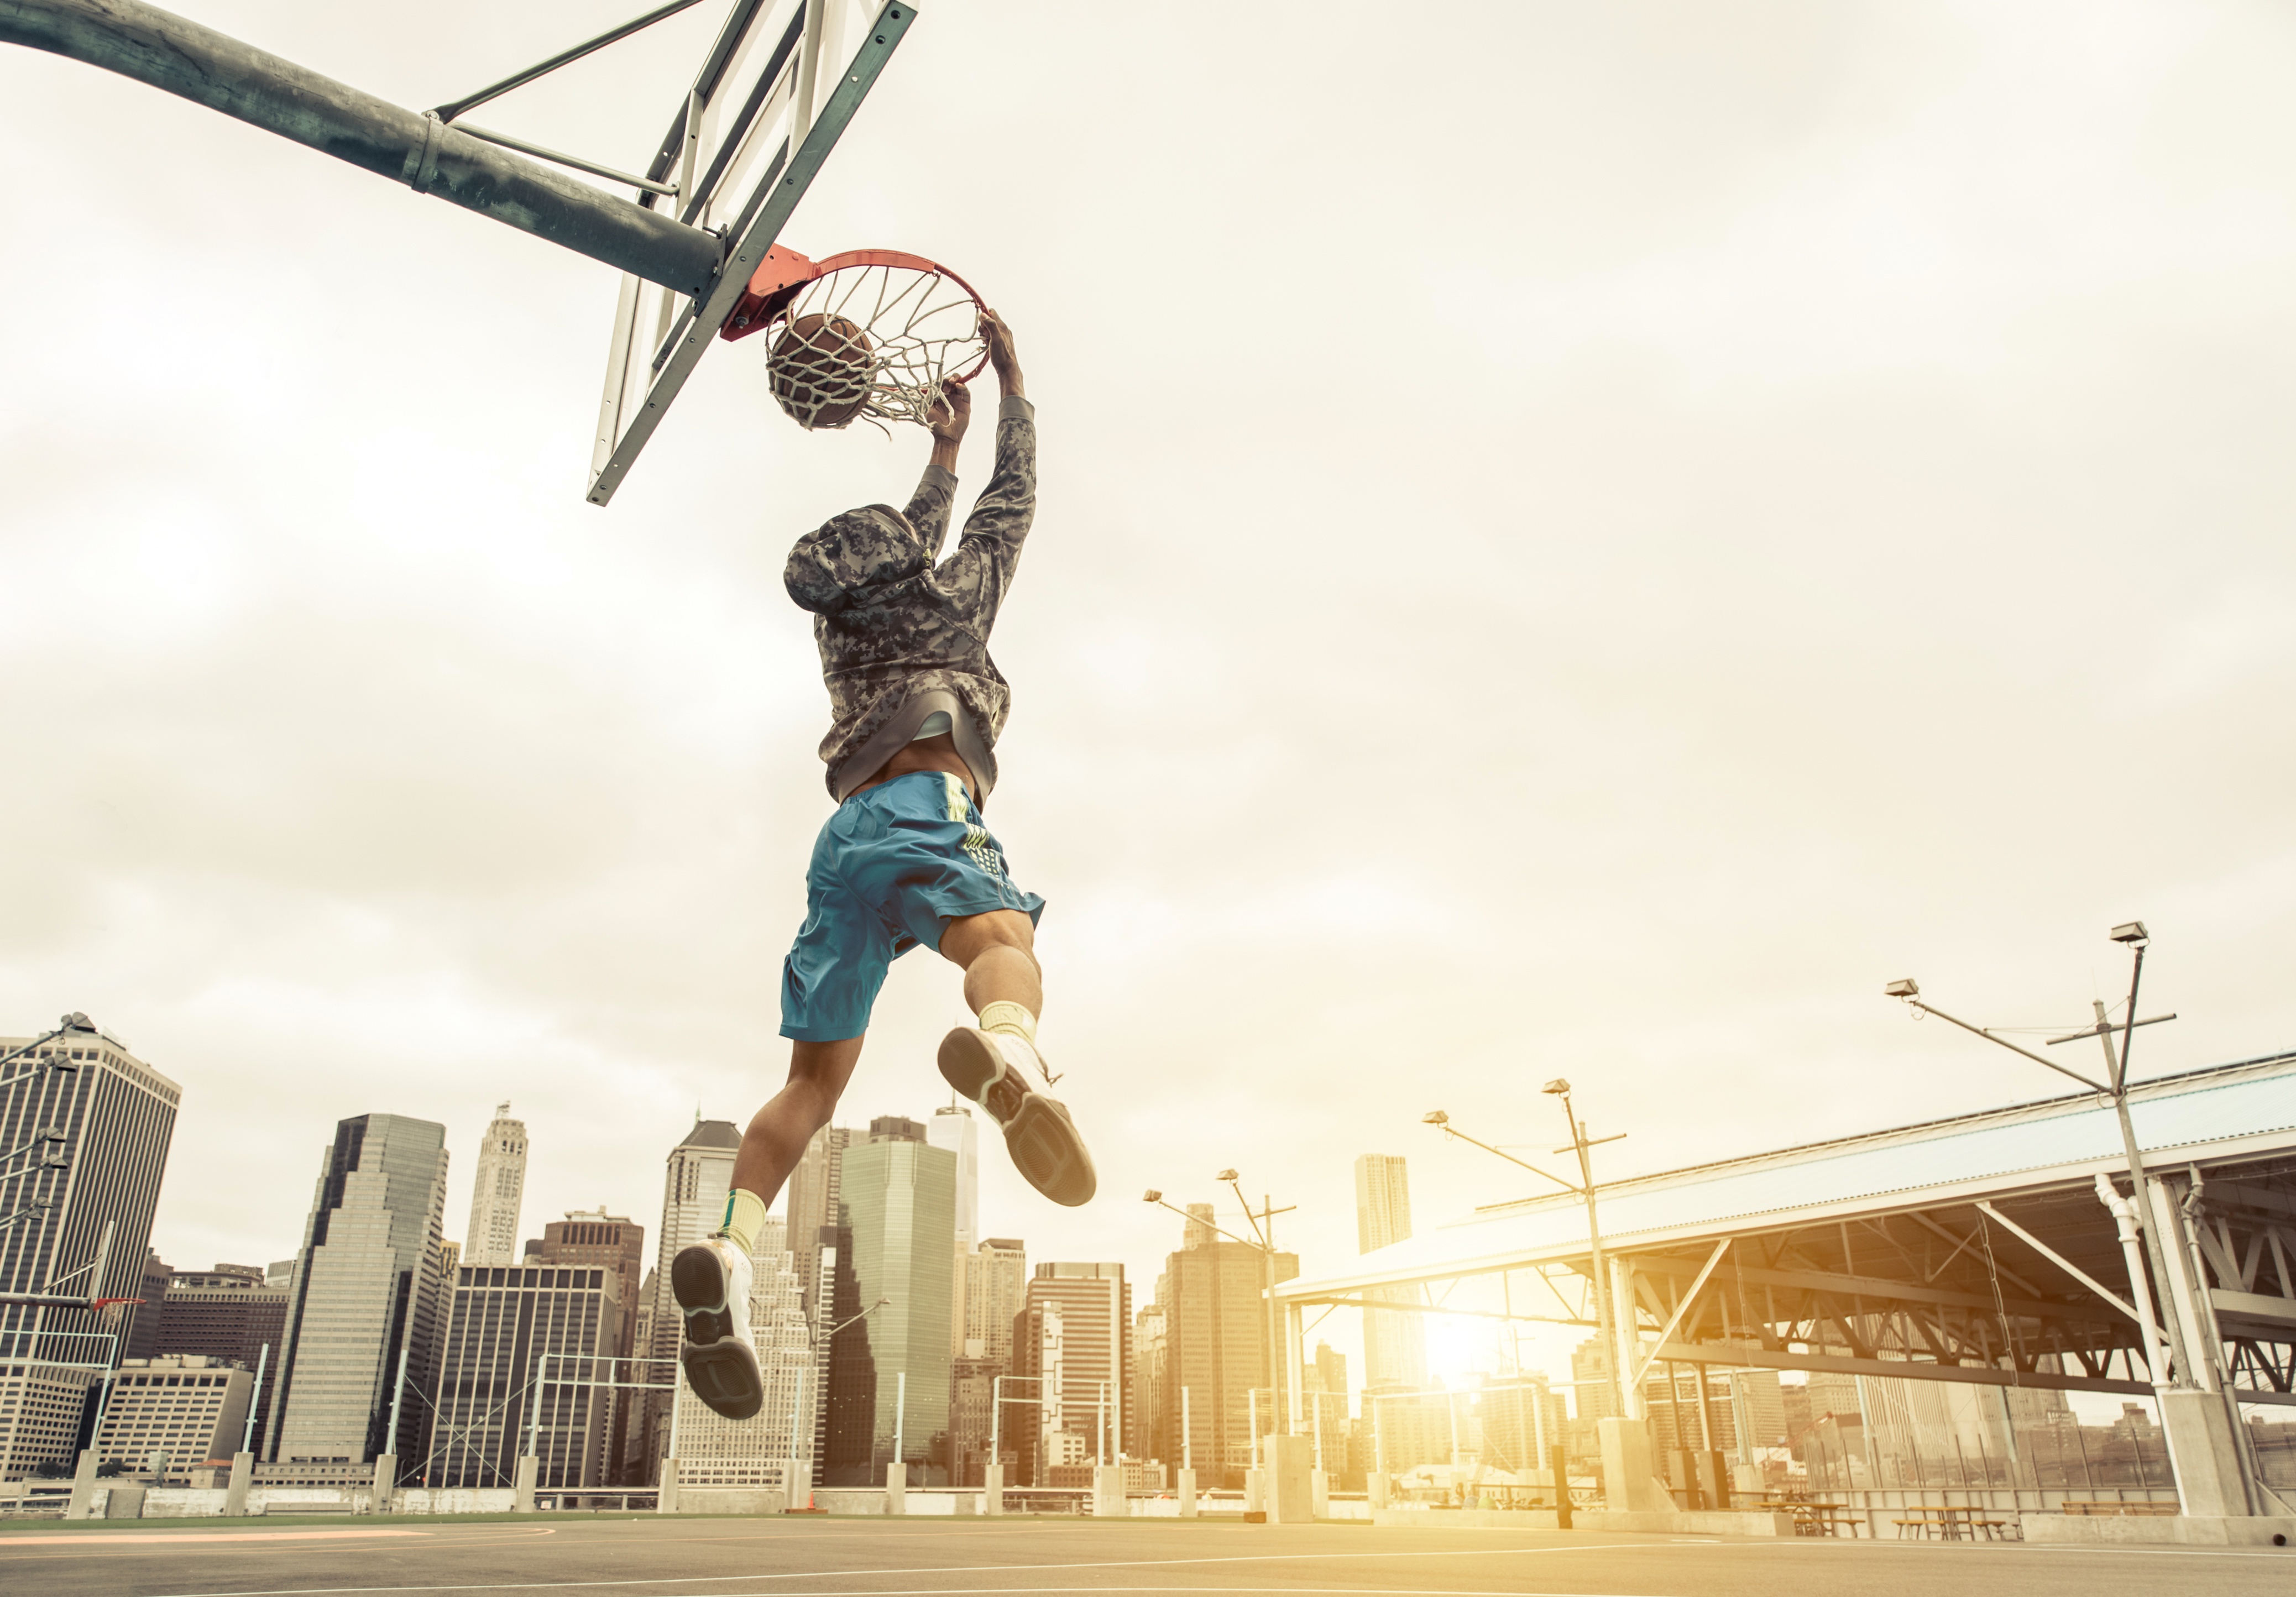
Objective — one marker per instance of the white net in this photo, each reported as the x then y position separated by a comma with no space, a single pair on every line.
872,342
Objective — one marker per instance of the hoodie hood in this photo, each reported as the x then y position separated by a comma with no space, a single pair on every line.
847,557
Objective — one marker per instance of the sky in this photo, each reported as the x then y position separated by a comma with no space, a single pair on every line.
1574,541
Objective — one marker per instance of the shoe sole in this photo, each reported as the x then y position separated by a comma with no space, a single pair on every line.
721,1367
1038,1134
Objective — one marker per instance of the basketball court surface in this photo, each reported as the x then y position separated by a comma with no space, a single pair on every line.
651,1557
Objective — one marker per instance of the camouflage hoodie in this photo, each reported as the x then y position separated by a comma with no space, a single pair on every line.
903,637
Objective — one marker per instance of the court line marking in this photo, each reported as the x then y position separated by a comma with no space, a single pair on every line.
1134,1563
102,1538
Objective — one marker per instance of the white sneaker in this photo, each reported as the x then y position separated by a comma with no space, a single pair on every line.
710,1281
986,1067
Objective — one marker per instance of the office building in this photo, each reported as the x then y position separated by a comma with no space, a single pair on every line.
142,1326
230,1313
756,1454
889,1374
117,1116
695,1179
1151,1364
498,1188
366,1290
193,1410
1323,1408
954,1129
1395,1342
523,1345
1074,1336
993,1282
1220,1364
813,1193
612,1242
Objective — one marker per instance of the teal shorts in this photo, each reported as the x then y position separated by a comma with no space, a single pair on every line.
890,869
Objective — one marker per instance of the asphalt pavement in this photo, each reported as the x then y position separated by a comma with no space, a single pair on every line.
651,1556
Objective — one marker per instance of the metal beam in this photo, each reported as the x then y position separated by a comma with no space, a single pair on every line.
1868,1286
2070,1268
1977,1375
172,53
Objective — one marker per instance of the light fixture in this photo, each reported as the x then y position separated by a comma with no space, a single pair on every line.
1152,1196
1906,988
1228,1175
2132,932
1556,1088
1434,1117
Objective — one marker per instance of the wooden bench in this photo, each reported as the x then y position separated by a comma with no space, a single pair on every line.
2107,1508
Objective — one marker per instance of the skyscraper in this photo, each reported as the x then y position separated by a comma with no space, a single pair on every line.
1081,1363
1217,1352
954,1129
755,1454
813,1190
117,1116
1395,1343
994,1282
889,1374
517,1340
694,1182
229,1313
613,1243
365,1289
498,1188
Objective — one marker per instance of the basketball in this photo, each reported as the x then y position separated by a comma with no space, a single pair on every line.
820,369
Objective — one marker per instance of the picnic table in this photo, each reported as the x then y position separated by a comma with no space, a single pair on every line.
1815,1519
1951,1522
2107,1507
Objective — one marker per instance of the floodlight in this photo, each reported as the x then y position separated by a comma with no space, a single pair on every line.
1556,1088
1434,1117
1228,1175
1907,988
75,1021
2132,932
1152,1196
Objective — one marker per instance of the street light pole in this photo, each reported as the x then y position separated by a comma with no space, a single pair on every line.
2115,1086
1614,1354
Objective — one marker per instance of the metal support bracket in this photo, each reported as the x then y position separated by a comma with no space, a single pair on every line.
422,159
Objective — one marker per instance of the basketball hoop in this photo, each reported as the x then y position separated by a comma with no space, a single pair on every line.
869,333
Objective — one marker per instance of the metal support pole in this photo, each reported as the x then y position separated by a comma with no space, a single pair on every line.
397,1395
2117,1064
178,55
996,1419
1187,1434
797,1417
263,1363
900,1413
1100,1425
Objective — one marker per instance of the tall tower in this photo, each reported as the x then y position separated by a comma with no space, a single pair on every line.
117,1116
366,1287
1395,1344
898,1207
1216,1349
496,1190
1086,1396
695,1180
954,1129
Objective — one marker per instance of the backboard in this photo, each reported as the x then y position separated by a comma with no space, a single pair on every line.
775,91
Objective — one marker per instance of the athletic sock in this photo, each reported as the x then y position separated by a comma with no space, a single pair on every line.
745,1211
1004,1015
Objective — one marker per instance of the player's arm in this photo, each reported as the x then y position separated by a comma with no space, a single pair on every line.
927,508
982,566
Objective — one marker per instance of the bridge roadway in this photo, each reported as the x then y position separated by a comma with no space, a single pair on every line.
650,1556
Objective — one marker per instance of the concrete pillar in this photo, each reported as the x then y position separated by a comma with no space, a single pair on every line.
242,1476
1108,1492
1255,1491
1183,1487
1377,1487
1319,1494
529,1467
2205,1454
1713,1470
667,1501
386,1477
1630,1483
992,1489
1288,1462
897,1487
83,1492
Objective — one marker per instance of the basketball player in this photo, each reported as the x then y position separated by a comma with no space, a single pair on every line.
905,861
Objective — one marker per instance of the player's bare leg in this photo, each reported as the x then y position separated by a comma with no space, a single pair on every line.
1004,986
711,1278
